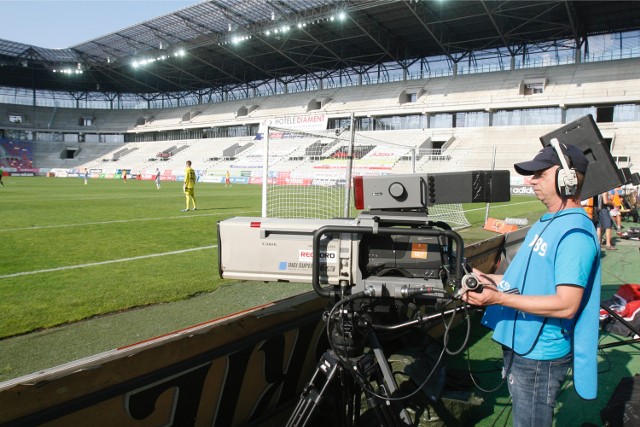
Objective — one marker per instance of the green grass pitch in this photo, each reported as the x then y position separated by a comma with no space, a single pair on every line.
73,251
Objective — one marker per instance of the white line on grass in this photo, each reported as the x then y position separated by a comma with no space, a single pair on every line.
116,221
501,206
93,264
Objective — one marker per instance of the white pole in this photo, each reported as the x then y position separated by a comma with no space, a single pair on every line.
493,167
347,191
413,160
265,170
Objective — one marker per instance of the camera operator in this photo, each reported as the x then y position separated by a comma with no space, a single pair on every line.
544,309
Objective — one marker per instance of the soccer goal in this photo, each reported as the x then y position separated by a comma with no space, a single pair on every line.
306,173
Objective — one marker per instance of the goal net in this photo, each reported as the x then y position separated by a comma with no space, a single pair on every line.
307,171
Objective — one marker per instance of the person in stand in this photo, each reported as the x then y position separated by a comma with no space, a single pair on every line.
157,178
189,186
544,309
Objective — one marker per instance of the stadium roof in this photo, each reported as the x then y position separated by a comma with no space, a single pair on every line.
227,43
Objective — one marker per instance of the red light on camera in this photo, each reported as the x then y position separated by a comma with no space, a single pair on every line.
358,192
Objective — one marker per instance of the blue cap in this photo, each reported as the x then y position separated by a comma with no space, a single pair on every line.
548,157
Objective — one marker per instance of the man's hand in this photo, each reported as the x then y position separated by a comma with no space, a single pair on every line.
488,295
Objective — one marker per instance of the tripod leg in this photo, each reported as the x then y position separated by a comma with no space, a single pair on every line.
387,375
367,371
311,396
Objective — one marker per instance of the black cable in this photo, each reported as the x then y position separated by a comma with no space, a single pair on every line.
356,373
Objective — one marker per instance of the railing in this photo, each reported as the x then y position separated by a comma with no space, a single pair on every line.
18,96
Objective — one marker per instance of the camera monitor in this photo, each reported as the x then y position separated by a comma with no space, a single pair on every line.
603,174
627,175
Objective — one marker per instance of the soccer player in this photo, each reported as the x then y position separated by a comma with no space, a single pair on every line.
157,178
227,179
189,186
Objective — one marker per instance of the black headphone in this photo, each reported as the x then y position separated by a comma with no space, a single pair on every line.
566,177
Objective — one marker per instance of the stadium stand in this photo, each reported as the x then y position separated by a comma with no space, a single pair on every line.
558,94
16,154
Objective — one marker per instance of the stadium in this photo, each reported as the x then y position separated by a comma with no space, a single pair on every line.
291,100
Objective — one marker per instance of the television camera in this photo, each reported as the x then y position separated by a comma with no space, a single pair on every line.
389,270
392,249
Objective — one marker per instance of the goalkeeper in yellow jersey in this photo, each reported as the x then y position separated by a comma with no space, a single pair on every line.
189,186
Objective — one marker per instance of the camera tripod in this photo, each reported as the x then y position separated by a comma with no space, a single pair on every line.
353,379
353,384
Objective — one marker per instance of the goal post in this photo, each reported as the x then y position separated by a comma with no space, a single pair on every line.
295,183
305,172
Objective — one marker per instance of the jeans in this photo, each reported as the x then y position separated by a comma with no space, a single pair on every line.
534,385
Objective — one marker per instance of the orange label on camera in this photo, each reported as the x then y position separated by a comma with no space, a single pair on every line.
419,250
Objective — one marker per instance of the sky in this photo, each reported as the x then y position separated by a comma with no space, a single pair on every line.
59,24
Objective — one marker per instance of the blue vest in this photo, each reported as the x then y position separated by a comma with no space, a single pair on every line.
561,248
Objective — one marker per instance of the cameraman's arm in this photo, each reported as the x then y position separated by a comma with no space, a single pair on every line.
563,304
571,275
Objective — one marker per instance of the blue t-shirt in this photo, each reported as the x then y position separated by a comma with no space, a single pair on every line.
560,249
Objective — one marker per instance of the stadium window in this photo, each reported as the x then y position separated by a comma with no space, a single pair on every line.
503,118
339,123
413,121
86,121
472,119
365,123
242,111
626,113
408,97
621,159
15,118
70,137
144,120
604,114
540,116
533,86
442,120
314,105
574,113
19,134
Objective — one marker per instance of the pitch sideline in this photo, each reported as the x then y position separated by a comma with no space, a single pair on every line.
113,261
117,221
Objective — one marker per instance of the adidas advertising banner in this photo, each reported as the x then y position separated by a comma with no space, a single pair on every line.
522,190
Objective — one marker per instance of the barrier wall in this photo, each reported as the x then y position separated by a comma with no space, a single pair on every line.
245,368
